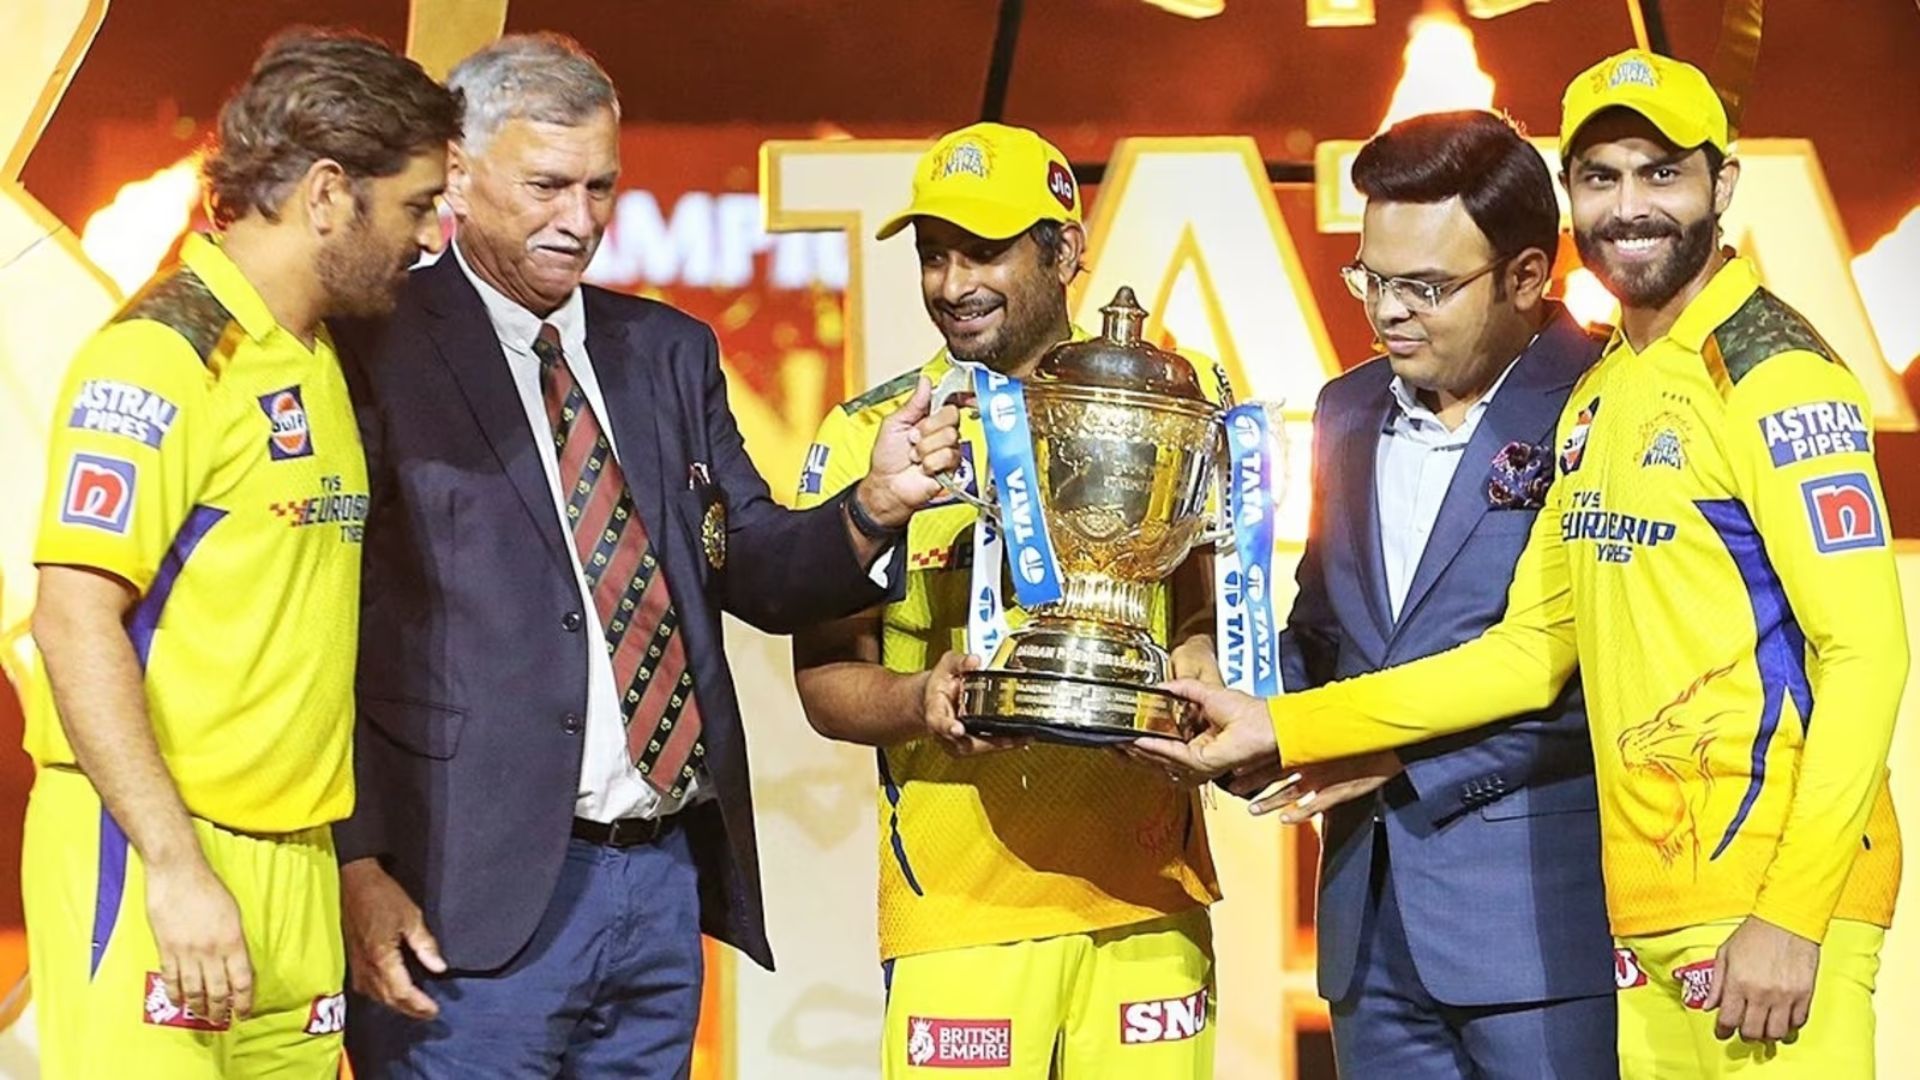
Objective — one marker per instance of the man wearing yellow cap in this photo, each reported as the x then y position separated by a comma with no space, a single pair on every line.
1043,909
1715,555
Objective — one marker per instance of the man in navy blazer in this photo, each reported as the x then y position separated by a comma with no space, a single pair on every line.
1461,924
552,776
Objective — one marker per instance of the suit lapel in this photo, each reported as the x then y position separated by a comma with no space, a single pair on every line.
630,384
1359,453
1524,410
464,336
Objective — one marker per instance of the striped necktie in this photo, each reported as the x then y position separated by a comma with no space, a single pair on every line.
629,587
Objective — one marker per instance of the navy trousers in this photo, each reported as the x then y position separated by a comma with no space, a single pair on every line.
609,986
1389,1026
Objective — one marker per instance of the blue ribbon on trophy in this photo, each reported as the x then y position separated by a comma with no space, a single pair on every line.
1249,631
1003,414
987,623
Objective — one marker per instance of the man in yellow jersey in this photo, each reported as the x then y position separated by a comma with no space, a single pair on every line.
1042,908
1715,555
199,560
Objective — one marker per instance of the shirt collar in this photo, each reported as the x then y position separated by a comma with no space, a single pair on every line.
515,326
201,254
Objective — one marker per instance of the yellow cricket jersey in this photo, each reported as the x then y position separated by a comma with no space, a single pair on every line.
1715,555
204,455
1012,846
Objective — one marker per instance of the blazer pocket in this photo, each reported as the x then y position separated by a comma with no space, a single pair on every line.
431,731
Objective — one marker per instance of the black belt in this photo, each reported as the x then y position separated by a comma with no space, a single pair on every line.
624,833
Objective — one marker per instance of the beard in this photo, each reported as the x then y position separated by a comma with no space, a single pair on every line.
361,278
1030,323
1653,284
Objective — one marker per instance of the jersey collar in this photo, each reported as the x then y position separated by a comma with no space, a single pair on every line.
202,255
1729,288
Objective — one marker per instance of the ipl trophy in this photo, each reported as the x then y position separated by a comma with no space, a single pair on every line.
1106,494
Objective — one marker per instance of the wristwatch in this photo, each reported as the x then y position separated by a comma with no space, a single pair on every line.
864,523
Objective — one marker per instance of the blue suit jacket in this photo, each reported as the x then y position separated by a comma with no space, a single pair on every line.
472,683
1493,836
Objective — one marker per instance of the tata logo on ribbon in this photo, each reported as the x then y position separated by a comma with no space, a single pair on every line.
1019,507
1247,431
1002,413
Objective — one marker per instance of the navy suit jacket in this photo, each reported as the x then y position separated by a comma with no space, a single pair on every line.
1493,835
472,686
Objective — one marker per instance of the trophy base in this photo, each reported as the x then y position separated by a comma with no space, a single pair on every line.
1069,710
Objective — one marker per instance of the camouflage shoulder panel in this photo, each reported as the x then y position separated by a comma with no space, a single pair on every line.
884,393
181,302
1765,327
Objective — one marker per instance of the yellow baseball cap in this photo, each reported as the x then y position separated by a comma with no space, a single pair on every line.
992,180
1673,94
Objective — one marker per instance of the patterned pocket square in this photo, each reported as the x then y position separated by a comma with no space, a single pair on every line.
1520,476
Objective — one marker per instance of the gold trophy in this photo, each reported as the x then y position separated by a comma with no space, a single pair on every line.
1125,448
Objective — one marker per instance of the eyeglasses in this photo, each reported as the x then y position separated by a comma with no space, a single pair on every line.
1414,295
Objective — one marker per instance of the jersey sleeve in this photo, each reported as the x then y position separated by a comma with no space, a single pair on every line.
836,460
1516,666
129,453
1800,445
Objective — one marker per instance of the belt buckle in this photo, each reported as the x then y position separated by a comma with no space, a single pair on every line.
632,832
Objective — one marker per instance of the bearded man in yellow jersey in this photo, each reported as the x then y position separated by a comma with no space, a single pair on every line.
1042,908
1715,555
199,561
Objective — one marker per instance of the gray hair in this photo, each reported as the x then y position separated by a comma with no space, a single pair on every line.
544,77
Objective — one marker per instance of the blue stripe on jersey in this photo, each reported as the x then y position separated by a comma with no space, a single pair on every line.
146,617
1780,648
893,824
109,884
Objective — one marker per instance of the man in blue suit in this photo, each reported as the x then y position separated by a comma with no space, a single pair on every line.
553,791
1462,929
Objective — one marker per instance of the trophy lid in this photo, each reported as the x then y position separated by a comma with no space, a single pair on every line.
1118,359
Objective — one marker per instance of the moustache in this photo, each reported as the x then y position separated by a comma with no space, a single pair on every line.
1632,230
967,311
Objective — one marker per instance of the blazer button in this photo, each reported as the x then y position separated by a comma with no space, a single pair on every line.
570,622
570,724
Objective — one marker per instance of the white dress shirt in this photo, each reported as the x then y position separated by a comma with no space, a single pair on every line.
610,787
1412,470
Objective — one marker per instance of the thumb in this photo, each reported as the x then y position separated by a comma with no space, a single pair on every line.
425,948
917,406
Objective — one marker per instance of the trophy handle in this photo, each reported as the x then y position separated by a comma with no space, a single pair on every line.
956,388
952,487
1219,529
